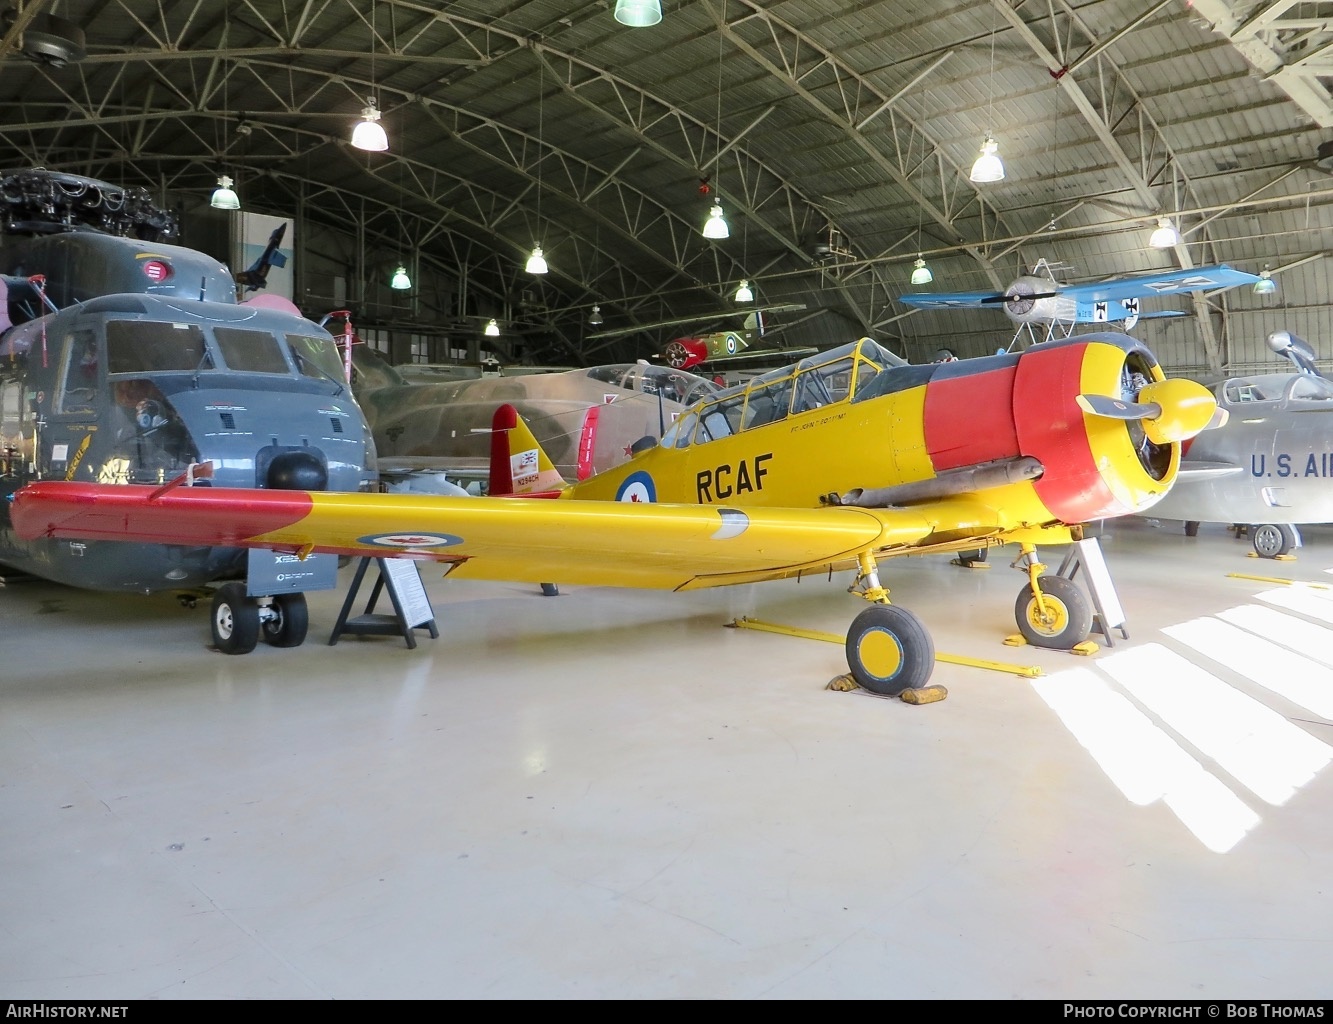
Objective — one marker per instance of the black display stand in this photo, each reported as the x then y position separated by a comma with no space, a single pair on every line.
411,606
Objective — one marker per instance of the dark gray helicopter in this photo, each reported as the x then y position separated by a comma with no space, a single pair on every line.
130,360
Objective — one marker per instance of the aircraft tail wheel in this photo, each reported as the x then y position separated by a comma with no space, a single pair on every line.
288,623
889,650
1068,618
1272,539
234,620
550,590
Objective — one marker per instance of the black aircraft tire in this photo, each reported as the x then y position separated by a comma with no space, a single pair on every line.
1191,527
550,590
1272,539
889,650
290,622
1069,615
234,620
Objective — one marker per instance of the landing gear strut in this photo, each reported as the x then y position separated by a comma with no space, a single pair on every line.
888,648
1051,611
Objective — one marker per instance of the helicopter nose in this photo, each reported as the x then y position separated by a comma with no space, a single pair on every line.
1185,407
297,471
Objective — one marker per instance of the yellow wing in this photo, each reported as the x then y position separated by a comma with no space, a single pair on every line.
571,541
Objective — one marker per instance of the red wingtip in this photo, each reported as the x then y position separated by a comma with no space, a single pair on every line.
504,420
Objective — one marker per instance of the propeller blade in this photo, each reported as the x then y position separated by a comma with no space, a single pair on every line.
1171,410
1116,409
1019,296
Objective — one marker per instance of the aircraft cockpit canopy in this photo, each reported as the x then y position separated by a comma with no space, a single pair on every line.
1297,390
824,379
649,379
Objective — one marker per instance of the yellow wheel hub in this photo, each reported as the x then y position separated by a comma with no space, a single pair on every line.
880,653
1054,621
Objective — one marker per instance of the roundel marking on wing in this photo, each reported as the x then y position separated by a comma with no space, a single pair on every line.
734,523
410,540
637,488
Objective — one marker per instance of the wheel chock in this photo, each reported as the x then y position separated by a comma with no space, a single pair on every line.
1087,647
912,695
1274,558
923,694
967,563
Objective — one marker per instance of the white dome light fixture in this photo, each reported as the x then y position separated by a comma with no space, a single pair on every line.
988,166
920,272
492,329
1265,285
400,282
743,293
1164,235
369,133
596,318
638,13
536,262
224,197
716,225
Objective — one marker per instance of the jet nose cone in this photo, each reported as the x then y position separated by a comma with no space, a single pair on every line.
1185,407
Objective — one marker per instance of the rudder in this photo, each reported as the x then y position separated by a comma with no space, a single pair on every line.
518,463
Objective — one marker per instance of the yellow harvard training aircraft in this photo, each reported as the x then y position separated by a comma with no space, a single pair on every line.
839,461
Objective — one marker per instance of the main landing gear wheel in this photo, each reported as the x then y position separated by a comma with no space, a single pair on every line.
234,619
1068,618
286,621
889,650
1272,539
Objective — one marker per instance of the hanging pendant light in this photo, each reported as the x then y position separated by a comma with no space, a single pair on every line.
1265,285
1165,235
920,272
596,318
224,198
536,262
716,225
369,133
492,329
638,13
988,166
743,293
400,282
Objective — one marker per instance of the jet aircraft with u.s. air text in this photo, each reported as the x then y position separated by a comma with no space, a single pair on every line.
838,462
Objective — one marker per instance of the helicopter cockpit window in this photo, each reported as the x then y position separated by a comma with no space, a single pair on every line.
250,351
142,346
316,357
78,391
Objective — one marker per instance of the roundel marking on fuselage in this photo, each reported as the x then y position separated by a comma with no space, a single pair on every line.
638,488
410,540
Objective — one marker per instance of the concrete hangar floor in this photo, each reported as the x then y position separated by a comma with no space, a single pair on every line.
607,795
